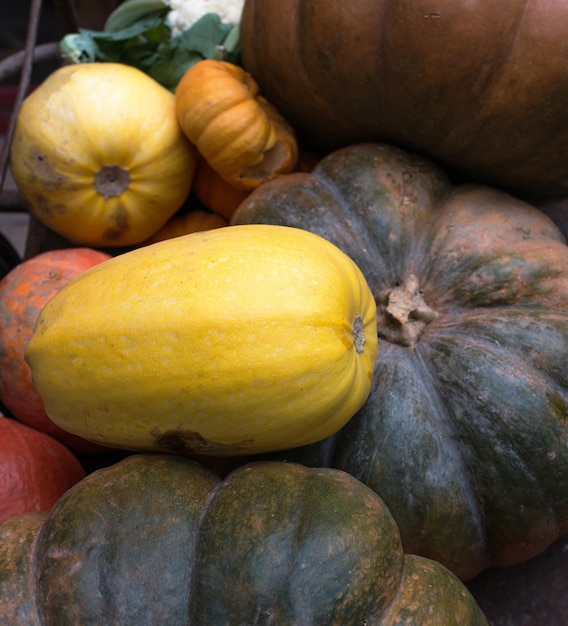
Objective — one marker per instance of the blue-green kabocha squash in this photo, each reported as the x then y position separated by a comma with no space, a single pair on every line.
465,432
161,540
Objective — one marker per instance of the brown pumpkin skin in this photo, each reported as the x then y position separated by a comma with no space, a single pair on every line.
477,86
160,539
464,433
23,293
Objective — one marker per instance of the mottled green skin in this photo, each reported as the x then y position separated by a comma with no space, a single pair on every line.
465,433
17,598
423,601
313,547
158,539
117,549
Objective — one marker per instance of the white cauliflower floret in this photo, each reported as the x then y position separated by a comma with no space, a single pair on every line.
185,12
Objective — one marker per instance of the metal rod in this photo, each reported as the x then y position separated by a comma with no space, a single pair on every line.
27,65
43,53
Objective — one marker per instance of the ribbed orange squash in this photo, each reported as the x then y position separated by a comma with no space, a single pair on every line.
239,133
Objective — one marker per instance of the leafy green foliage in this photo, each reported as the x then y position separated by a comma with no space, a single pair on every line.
148,45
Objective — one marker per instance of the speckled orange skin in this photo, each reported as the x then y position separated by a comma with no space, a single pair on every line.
23,293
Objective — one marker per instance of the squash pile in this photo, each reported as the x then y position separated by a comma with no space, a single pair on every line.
104,156
318,270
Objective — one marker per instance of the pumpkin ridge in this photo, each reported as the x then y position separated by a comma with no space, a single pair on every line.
528,355
500,325
418,533
193,571
512,424
234,137
22,557
348,231
88,536
488,281
303,18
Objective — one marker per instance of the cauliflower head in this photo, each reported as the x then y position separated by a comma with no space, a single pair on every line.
184,13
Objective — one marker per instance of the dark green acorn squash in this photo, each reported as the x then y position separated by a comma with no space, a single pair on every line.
465,432
478,85
160,539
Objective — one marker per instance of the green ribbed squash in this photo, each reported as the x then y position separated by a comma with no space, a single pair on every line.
465,432
160,539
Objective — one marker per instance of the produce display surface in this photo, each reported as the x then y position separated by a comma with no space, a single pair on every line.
277,331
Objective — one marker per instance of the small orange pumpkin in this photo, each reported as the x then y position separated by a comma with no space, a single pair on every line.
240,134
23,293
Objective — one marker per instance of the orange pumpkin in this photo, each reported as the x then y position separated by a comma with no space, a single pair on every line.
214,192
239,133
191,222
23,293
221,197
35,469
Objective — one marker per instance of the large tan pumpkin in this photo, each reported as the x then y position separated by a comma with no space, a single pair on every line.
479,85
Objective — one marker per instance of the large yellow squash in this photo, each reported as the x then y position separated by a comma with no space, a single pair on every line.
237,340
98,154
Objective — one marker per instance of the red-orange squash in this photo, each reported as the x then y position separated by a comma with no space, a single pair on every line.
35,469
23,293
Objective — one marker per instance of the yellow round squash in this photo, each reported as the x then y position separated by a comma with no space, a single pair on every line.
98,154
238,340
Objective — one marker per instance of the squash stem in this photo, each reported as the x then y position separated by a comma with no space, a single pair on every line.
403,314
111,180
